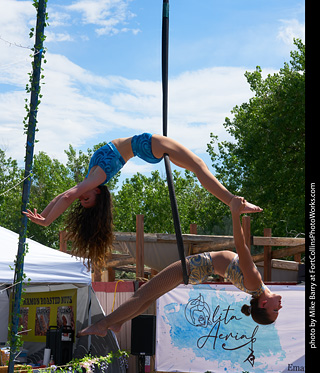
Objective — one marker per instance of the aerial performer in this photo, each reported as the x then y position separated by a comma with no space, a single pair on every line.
90,223
235,267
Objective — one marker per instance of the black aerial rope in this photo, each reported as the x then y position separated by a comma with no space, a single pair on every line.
174,207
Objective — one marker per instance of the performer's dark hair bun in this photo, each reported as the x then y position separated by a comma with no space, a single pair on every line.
246,310
259,315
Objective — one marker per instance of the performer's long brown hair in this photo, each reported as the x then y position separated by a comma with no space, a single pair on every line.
91,230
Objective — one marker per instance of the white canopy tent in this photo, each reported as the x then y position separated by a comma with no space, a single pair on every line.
42,264
52,270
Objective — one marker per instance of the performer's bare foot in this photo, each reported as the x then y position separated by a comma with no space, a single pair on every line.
248,208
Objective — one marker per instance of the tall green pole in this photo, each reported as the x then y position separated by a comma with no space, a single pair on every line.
35,85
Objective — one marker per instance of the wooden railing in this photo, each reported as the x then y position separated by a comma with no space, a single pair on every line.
200,243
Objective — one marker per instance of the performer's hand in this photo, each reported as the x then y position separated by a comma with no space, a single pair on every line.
35,217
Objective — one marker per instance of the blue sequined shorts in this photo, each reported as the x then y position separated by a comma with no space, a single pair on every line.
141,147
200,268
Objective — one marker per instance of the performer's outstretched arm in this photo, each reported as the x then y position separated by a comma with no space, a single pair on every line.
252,277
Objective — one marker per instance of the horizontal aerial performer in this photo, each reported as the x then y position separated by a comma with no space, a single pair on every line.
237,268
89,223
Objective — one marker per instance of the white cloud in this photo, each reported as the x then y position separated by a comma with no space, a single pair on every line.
58,18
135,165
291,29
199,101
79,106
107,15
57,37
14,33
17,15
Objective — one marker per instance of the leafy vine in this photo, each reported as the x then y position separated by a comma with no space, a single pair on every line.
38,54
17,341
88,363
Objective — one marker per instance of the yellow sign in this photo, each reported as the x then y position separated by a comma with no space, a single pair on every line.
41,310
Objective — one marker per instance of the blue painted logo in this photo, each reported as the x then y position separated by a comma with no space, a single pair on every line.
212,325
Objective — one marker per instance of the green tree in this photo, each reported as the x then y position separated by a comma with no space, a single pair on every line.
266,163
149,196
10,192
50,178
142,195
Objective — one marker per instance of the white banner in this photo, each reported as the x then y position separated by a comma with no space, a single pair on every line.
201,328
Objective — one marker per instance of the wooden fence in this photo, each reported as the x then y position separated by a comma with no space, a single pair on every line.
196,244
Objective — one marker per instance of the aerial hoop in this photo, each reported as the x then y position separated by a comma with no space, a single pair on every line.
174,206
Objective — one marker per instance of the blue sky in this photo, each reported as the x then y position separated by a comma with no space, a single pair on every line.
103,75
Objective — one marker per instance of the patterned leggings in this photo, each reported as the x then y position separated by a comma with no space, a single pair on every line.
163,282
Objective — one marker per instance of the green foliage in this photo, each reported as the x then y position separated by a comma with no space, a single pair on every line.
49,180
10,196
88,363
149,196
266,163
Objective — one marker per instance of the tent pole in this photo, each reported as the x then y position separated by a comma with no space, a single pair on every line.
89,316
